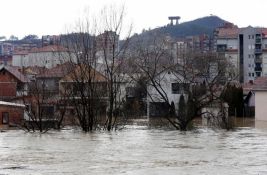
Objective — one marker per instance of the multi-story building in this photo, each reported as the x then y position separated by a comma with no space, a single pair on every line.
246,48
226,44
107,44
6,48
50,40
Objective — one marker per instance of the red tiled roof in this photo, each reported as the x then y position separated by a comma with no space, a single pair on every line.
50,48
264,32
14,70
22,52
58,71
35,70
228,32
259,84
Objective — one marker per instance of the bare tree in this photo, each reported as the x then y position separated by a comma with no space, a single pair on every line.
112,51
198,77
39,107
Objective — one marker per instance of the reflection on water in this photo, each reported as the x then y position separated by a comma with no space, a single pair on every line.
135,150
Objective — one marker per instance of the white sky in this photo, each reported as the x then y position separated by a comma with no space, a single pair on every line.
45,17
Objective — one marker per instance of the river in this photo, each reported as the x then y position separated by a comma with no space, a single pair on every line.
135,150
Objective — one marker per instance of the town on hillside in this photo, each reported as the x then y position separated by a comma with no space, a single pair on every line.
102,80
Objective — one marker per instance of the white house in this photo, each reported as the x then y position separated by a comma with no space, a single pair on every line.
169,88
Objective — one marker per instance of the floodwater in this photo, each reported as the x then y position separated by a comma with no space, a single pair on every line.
136,150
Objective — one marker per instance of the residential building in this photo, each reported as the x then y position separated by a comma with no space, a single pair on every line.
260,90
6,51
12,83
107,44
246,49
74,86
6,48
226,44
48,56
6,60
11,114
50,40
50,77
172,90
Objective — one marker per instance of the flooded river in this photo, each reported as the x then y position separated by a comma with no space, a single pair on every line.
135,150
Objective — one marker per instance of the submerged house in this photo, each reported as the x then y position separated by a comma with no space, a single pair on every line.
169,89
260,90
11,114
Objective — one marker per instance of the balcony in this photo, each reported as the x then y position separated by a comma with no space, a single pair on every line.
21,93
258,69
258,51
258,60
258,40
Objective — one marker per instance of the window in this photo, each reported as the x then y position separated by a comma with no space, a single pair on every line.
248,55
175,88
47,111
249,74
252,36
248,36
5,118
179,88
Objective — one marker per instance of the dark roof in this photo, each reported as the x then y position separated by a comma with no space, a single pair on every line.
15,72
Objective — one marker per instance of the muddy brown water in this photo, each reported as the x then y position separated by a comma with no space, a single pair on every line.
137,150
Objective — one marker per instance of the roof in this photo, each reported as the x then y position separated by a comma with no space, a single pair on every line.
4,103
15,72
228,32
57,72
260,84
81,71
50,48
21,52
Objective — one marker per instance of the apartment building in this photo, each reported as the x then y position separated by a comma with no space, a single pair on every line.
6,48
246,49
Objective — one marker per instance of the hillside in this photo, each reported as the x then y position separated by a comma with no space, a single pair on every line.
204,25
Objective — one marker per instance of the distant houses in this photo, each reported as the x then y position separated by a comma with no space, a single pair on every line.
55,68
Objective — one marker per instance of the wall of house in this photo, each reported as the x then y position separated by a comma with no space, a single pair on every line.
41,59
19,60
8,85
15,115
261,105
166,83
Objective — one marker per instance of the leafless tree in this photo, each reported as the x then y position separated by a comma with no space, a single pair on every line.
39,107
113,53
84,84
199,77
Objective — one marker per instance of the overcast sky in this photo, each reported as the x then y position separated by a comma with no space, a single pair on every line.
42,17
